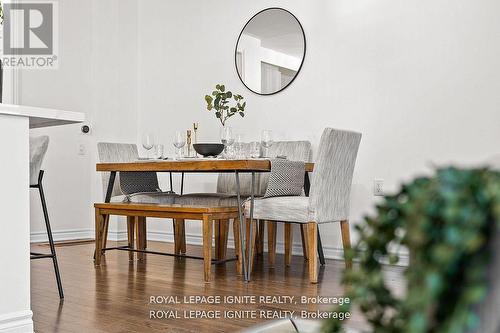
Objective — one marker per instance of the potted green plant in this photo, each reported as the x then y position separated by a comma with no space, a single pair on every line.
220,100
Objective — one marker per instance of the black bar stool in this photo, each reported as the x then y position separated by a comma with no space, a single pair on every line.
38,147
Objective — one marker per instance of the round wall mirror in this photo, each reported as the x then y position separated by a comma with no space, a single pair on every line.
270,51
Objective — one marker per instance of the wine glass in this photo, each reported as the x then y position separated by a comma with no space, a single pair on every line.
179,142
266,139
148,142
226,137
239,147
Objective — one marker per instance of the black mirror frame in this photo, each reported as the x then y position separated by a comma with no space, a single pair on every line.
303,55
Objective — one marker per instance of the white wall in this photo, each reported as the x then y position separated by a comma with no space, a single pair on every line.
97,75
419,79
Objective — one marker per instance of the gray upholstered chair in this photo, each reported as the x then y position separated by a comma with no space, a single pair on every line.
133,187
293,151
38,148
329,198
226,192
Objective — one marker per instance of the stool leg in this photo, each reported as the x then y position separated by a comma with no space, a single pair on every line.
49,234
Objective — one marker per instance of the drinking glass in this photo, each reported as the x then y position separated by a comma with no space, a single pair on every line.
159,151
255,150
266,139
226,137
148,142
179,142
239,147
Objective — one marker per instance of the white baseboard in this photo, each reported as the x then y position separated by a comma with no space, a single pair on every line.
192,239
62,235
17,322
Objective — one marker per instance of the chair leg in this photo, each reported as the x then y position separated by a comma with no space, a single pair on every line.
251,239
259,246
303,232
141,243
51,240
223,234
288,243
130,235
237,249
312,243
271,242
99,225
346,240
207,246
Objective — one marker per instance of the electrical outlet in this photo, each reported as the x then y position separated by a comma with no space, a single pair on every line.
82,150
378,187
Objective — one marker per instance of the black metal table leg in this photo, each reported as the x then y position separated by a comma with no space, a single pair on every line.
250,237
307,188
243,238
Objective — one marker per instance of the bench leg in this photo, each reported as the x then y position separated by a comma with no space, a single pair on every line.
99,224
237,249
140,227
183,236
104,232
217,236
179,236
130,235
207,246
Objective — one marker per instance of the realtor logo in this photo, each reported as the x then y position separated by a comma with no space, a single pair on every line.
30,34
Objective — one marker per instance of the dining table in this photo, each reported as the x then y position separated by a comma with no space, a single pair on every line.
209,165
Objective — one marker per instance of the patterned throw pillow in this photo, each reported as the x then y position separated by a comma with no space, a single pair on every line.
136,182
286,178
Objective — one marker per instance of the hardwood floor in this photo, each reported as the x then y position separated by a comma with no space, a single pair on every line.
115,297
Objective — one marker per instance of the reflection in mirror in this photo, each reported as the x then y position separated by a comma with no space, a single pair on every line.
270,51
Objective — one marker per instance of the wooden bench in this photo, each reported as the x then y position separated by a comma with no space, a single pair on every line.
136,217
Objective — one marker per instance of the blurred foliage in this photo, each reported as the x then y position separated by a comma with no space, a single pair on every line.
447,223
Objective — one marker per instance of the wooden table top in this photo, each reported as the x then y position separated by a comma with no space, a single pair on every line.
193,165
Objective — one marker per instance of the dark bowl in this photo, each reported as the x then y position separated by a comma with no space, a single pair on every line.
208,149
